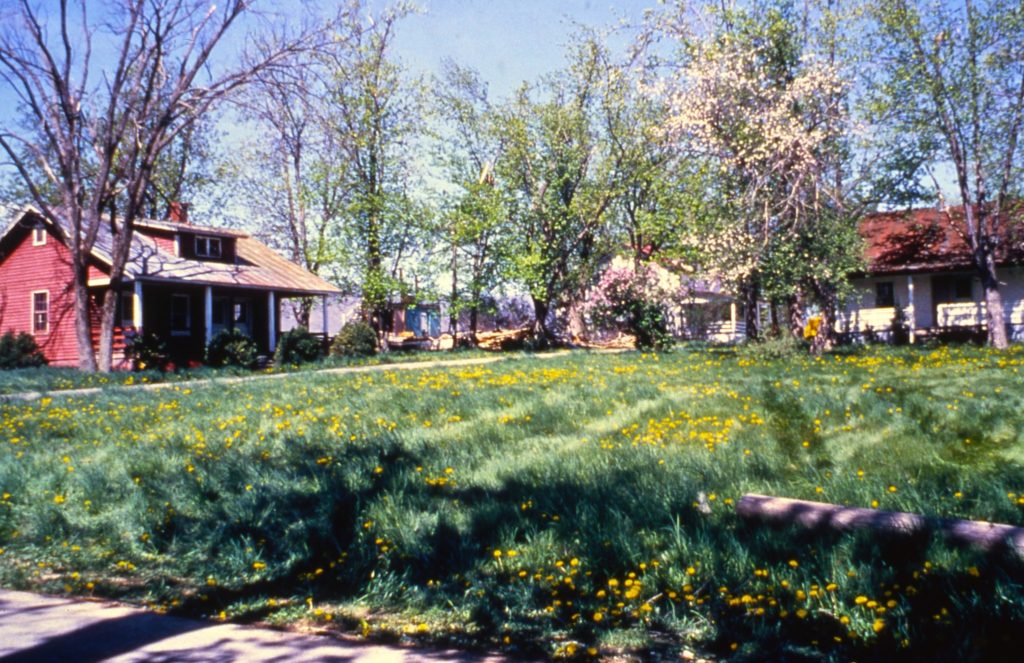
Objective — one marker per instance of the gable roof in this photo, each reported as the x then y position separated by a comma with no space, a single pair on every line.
927,240
256,265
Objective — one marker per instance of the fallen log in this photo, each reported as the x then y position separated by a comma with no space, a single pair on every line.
822,515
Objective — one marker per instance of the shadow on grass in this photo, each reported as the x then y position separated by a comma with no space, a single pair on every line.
612,517
941,614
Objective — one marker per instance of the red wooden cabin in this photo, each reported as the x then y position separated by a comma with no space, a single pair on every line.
183,283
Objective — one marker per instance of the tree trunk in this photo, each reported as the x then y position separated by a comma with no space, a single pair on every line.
83,321
577,329
749,293
541,333
453,314
302,311
840,518
773,318
795,315
824,340
108,316
997,337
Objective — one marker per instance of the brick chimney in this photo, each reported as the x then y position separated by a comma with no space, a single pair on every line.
177,212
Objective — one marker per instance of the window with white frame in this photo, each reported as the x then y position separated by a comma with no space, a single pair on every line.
41,311
181,315
38,235
208,247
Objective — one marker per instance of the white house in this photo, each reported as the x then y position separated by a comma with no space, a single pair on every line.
701,308
918,261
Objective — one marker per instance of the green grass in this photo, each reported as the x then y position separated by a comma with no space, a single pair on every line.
542,506
47,378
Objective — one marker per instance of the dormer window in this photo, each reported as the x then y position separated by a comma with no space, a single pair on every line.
208,247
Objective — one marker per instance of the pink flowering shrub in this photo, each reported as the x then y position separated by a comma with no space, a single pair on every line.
632,301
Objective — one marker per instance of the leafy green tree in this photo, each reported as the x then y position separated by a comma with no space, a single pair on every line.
656,189
376,117
475,215
562,181
948,90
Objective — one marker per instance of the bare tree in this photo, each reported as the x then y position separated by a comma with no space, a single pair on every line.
93,127
294,175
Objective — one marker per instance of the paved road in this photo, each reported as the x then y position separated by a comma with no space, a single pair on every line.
39,629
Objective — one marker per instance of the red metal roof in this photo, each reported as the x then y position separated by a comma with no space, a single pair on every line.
927,240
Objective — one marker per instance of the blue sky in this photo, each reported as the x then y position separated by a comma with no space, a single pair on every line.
507,42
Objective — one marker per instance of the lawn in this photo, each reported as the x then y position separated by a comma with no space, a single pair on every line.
577,506
49,378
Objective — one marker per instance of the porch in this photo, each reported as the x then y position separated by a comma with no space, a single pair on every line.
936,305
186,316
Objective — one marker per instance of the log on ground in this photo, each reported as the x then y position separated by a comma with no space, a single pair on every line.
823,515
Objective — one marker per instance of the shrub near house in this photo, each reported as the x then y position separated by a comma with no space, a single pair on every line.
19,351
297,346
356,339
631,300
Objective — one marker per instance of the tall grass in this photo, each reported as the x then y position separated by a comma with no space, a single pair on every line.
53,378
569,507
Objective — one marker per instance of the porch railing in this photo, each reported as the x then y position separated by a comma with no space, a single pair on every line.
860,320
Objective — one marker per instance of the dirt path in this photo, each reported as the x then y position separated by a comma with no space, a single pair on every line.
37,629
155,386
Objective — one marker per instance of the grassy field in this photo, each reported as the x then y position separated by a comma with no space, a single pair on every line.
49,378
541,507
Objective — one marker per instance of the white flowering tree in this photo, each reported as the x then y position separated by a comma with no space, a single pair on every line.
768,117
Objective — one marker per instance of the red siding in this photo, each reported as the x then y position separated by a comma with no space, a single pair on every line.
164,240
27,268
96,274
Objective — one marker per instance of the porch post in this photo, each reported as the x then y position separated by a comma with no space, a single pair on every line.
911,311
323,304
271,321
208,314
137,305
732,321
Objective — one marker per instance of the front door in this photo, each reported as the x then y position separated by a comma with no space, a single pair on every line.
241,313
221,317
232,313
